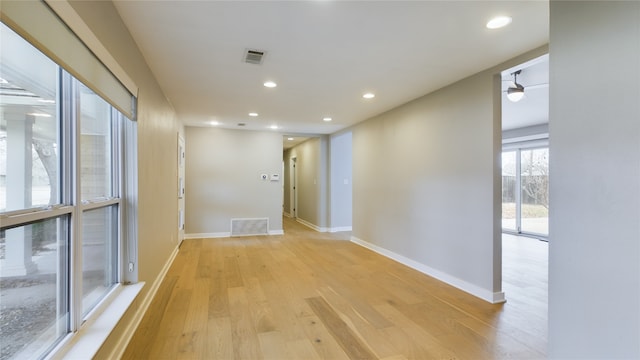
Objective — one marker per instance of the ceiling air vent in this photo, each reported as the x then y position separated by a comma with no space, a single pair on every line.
253,56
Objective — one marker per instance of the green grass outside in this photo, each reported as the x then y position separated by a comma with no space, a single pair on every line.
528,211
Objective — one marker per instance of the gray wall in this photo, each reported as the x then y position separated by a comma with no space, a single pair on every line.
223,169
423,180
426,180
341,191
312,178
594,128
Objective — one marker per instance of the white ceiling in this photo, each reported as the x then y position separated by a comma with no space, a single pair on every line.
323,54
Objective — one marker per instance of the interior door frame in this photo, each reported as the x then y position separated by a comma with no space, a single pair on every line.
293,198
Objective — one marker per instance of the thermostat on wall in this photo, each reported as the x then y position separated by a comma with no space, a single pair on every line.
275,177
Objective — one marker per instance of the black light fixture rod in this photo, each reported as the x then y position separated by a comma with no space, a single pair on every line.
515,76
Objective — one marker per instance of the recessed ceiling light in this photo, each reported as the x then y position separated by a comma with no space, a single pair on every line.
273,127
214,123
270,84
253,114
498,22
369,95
39,114
290,139
327,119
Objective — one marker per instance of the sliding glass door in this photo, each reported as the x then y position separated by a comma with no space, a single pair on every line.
525,191
534,187
509,192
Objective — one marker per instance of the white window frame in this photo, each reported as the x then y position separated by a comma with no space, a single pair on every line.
53,27
124,182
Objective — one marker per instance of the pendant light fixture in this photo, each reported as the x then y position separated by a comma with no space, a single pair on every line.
515,92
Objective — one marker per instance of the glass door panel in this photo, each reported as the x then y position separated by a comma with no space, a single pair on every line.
534,191
509,191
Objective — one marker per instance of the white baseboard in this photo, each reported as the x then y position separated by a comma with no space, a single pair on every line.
489,296
312,226
207,235
223,235
127,334
323,229
339,229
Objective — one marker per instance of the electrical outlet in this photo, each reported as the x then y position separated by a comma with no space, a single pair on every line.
130,267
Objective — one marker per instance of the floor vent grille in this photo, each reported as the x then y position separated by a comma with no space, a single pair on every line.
249,227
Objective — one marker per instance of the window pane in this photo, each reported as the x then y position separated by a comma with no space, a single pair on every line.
95,152
29,125
34,267
509,190
535,191
99,254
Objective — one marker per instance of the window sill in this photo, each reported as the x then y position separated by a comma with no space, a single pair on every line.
85,343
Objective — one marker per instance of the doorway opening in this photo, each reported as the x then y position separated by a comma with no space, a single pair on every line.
525,149
525,192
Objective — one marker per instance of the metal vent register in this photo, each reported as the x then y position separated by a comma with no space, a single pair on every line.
248,227
252,56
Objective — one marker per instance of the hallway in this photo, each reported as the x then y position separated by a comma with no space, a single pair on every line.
310,295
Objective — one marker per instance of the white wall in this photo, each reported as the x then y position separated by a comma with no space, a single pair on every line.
594,244
529,133
341,191
223,169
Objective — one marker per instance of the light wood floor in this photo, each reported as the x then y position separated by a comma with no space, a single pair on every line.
309,295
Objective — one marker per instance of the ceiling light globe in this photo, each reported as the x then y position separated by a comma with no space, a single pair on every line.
270,84
369,95
515,94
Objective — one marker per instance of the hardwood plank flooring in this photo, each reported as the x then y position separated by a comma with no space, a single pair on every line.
310,295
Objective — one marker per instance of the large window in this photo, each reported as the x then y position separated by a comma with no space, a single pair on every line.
525,191
61,185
